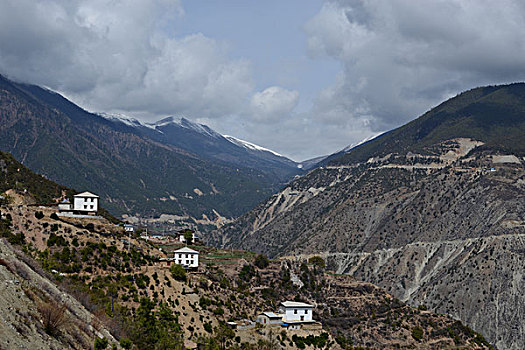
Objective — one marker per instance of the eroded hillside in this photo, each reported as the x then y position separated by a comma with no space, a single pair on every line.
443,228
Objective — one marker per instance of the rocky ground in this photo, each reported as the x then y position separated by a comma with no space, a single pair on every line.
444,229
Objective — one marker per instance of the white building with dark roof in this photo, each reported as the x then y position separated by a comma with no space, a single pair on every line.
187,257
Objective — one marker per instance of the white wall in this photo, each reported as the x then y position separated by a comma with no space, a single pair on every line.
190,259
64,206
85,204
295,313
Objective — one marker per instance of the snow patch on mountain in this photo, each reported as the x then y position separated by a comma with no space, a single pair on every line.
124,119
354,145
250,146
185,123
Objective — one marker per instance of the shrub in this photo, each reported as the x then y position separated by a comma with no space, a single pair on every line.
178,272
261,261
417,333
53,317
247,272
126,343
54,216
208,328
317,261
101,343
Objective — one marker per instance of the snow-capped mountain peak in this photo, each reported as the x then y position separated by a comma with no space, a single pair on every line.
185,123
124,119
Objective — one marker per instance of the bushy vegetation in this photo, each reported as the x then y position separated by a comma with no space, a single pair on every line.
261,261
318,342
178,272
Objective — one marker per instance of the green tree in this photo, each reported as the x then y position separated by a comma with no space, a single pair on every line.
178,272
224,335
317,261
101,343
261,261
188,236
144,334
417,333
126,343
247,272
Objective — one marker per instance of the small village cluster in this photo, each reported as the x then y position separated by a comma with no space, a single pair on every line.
291,315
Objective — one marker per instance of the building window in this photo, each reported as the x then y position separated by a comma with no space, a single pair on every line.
306,312
295,311
90,207
85,206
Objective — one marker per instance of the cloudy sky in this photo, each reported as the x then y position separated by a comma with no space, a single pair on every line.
302,77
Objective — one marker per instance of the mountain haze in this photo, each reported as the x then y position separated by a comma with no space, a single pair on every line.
433,211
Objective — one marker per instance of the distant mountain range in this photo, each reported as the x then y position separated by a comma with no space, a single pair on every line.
173,166
206,143
433,211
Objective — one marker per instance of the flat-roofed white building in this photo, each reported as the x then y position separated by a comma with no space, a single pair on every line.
65,206
187,257
295,311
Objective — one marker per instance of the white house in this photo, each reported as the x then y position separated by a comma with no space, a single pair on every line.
187,257
270,318
65,206
294,311
85,203
182,239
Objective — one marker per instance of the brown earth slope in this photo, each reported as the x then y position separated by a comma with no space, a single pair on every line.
89,261
444,228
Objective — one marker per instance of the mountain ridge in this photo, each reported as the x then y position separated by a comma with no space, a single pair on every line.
433,211
134,169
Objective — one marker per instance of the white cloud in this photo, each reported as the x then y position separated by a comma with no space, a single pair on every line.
121,56
398,58
273,103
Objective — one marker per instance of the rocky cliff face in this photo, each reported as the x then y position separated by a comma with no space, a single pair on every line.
433,211
35,314
446,230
